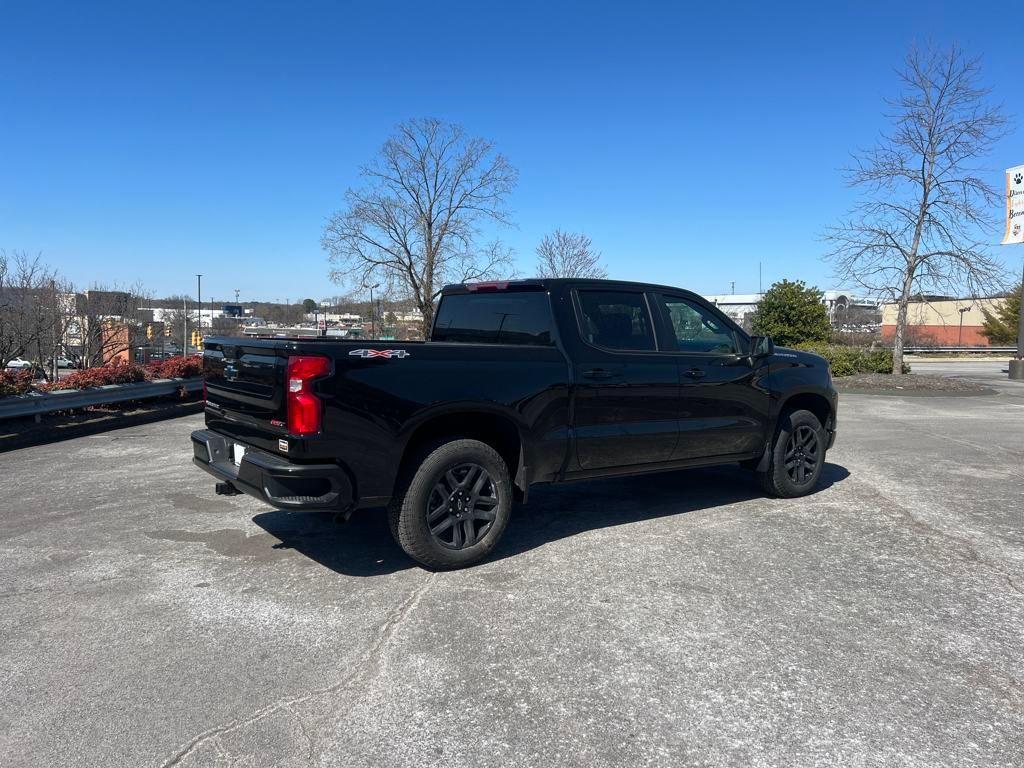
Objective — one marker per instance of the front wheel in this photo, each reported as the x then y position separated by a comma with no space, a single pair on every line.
797,456
453,505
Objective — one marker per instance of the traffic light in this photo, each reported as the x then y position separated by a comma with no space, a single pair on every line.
149,332
167,330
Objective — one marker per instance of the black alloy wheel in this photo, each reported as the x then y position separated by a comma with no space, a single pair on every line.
803,455
462,506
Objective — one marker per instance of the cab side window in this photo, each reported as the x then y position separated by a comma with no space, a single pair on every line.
616,320
698,330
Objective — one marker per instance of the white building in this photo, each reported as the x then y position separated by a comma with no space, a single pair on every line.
161,313
333,317
739,305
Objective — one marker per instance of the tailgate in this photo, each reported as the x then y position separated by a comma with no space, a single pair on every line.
246,381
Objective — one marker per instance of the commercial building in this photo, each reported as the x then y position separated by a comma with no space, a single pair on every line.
941,321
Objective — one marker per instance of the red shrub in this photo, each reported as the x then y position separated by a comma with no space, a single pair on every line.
15,382
118,373
177,367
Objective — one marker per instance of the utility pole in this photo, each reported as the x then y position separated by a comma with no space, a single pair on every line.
760,289
184,327
236,295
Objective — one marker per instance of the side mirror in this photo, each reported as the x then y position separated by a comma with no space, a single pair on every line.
761,346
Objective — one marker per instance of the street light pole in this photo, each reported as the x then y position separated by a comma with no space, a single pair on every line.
199,293
960,333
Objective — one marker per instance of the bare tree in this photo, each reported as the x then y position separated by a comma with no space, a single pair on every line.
30,308
108,323
179,320
568,254
416,224
918,229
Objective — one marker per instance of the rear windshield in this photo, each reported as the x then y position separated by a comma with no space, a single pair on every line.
494,318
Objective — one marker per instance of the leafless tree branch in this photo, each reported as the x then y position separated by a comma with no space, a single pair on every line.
415,224
917,228
568,254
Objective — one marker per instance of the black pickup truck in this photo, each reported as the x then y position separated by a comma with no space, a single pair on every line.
521,382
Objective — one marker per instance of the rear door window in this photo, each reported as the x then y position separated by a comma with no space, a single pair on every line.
514,317
617,320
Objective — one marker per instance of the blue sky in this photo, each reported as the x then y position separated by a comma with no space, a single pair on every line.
149,141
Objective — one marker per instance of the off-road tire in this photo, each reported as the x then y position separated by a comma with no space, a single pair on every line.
407,515
776,480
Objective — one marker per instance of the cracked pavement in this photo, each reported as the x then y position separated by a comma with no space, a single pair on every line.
678,619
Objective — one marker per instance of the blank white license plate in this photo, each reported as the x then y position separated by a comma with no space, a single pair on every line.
237,452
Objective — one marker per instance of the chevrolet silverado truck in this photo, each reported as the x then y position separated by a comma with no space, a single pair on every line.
520,382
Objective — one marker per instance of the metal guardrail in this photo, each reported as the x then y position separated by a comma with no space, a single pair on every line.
960,350
38,403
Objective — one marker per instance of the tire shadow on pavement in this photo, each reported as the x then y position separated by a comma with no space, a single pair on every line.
364,547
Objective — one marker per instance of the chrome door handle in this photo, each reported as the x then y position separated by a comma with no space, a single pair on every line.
696,373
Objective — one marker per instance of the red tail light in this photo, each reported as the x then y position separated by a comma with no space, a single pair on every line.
305,411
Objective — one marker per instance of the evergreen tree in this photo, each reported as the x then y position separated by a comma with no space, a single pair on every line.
1001,327
792,313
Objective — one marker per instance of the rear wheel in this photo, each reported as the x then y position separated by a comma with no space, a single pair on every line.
453,504
796,457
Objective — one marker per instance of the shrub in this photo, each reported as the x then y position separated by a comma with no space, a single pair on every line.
792,313
846,361
176,367
1001,326
15,382
118,373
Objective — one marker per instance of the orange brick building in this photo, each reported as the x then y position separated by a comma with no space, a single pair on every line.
942,322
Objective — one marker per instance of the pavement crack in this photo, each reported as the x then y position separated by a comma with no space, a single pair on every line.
367,667
1013,585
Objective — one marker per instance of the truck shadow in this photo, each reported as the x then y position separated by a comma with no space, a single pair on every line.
559,511
364,547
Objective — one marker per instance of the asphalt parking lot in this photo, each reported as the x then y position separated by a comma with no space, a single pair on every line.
680,619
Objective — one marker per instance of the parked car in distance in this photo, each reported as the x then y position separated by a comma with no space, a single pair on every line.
521,382
64,362
37,371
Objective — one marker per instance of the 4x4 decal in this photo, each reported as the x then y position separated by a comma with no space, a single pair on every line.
387,354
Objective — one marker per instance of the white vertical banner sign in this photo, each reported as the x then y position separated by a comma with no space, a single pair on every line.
1014,205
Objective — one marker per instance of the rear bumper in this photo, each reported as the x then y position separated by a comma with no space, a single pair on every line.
273,479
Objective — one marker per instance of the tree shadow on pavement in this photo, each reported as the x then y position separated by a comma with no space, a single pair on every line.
364,547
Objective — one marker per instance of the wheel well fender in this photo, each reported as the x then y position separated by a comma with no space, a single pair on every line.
802,401
807,401
496,429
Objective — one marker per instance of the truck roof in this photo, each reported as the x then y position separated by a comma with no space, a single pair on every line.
542,283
